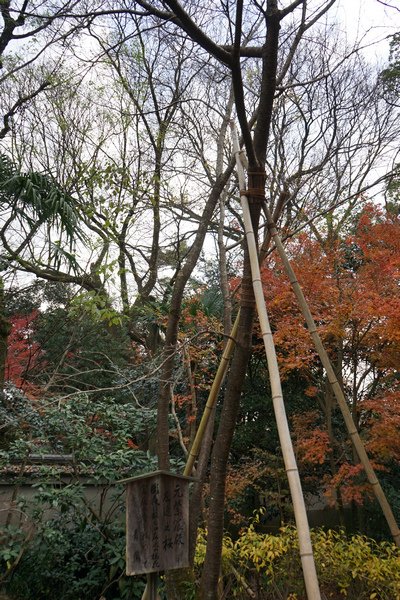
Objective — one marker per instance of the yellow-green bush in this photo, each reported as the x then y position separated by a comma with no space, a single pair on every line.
353,567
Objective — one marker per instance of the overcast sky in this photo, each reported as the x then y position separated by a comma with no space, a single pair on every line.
372,19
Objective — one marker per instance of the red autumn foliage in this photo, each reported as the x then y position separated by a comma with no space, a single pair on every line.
312,443
352,286
351,489
23,353
382,419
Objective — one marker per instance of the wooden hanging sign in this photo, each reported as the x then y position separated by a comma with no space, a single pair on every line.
157,522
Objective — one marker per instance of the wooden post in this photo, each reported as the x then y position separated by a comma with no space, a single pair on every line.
152,585
303,531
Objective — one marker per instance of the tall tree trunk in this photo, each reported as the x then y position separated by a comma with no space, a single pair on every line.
230,408
221,450
5,329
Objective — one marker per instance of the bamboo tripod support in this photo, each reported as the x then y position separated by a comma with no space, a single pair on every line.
354,435
336,388
303,531
211,400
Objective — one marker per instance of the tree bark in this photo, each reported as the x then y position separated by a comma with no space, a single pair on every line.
220,453
5,329
230,408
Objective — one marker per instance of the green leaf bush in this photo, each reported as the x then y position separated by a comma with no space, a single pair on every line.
83,558
355,567
63,544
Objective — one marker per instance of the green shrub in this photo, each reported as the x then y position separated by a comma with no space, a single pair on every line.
355,567
74,555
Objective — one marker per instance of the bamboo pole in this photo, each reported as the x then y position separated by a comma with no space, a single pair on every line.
336,387
150,591
303,531
219,377
212,398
